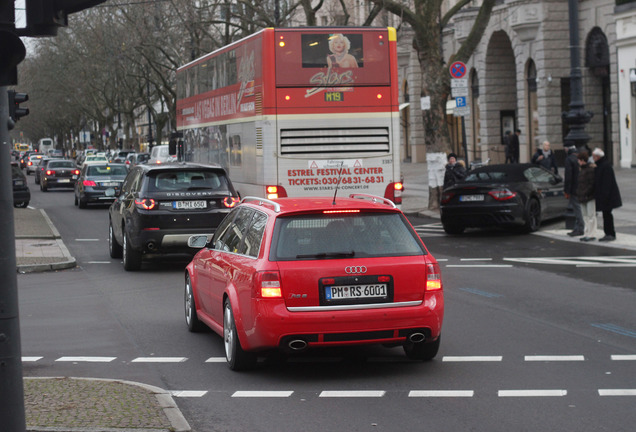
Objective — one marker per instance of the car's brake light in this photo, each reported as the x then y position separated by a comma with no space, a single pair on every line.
230,202
76,172
49,172
267,284
145,203
447,196
502,195
340,211
89,183
433,277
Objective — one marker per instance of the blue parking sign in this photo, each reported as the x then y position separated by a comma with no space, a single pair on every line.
460,101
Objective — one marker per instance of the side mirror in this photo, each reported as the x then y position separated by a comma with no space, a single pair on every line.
197,241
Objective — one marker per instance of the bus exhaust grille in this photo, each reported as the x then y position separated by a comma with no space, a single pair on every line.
350,140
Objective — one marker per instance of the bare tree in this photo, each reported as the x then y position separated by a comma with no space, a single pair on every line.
427,23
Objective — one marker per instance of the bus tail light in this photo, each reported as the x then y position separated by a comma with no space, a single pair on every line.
267,285
274,192
145,203
433,277
393,192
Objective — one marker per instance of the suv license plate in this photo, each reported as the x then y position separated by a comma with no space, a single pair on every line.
355,291
188,205
465,198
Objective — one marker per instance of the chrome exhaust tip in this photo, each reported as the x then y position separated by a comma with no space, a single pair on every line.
417,337
297,345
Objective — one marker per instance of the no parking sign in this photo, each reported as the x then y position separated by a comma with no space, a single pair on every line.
458,70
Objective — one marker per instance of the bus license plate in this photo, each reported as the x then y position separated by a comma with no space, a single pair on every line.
188,205
355,292
465,198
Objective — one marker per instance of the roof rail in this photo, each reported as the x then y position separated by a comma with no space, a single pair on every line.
373,198
262,201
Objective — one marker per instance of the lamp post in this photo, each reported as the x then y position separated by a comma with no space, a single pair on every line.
576,117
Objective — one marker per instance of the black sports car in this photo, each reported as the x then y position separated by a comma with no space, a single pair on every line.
512,195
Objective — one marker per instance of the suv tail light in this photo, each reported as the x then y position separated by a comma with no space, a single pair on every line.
230,202
145,203
433,277
267,285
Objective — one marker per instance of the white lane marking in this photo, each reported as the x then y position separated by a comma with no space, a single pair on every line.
216,360
581,261
99,262
86,359
159,360
479,265
87,240
472,358
531,358
531,393
262,394
188,393
623,357
441,393
476,259
352,393
31,359
617,392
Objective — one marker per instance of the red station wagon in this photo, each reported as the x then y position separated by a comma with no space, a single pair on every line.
296,273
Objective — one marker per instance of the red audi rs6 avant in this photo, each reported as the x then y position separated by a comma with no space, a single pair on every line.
300,273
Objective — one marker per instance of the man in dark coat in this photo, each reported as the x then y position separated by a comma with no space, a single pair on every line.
513,146
570,184
455,171
606,193
545,157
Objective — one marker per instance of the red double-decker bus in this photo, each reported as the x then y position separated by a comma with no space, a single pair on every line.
297,111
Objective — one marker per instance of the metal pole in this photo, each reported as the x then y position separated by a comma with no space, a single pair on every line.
576,117
12,417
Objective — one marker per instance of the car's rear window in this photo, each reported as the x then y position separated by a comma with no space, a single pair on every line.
359,235
106,170
61,164
173,180
16,172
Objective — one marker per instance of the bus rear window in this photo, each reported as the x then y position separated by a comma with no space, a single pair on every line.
324,59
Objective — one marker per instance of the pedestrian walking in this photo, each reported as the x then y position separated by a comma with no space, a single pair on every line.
513,146
545,157
585,195
455,171
570,184
606,193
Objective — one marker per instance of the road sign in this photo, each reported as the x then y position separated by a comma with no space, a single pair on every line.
458,69
463,82
460,102
461,111
459,91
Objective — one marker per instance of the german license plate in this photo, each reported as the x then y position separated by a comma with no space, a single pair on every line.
64,180
465,198
110,184
356,291
188,205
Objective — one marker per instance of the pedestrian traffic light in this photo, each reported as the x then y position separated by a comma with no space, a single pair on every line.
16,112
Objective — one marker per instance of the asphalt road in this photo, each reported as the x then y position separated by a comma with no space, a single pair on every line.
539,335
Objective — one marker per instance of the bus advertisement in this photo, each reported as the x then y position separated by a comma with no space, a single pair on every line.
297,112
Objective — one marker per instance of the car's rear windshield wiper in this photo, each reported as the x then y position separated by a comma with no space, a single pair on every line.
328,255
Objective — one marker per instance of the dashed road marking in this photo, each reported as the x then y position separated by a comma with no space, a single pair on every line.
581,261
472,358
262,394
441,393
159,360
555,358
86,359
98,262
623,357
617,392
87,240
531,393
189,393
352,393
31,359
479,265
216,360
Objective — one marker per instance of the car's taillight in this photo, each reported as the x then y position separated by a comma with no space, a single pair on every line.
76,172
267,285
30,163
502,195
230,202
447,196
145,203
49,172
274,192
433,277
89,183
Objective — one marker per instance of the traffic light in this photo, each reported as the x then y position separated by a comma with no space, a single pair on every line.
16,112
45,16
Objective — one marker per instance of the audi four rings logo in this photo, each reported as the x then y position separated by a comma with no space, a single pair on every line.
355,269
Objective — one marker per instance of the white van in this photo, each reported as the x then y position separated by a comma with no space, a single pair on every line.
161,154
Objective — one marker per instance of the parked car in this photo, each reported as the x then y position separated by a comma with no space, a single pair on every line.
137,158
21,192
99,183
511,195
161,206
59,173
296,273
33,162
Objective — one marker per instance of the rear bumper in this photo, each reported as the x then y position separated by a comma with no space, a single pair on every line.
483,216
274,326
58,183
167,240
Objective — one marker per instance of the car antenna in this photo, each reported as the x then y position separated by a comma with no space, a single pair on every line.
337,184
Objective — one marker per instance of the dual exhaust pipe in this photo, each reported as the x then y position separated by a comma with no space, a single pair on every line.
301,344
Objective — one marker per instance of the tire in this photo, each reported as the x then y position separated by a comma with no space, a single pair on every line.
532,216
76,200
37,179
424,351
454,229
114,248
132,258
191,317
43,187
21,204
81,203
237,359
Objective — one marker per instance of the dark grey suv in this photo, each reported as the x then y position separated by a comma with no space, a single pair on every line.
161,206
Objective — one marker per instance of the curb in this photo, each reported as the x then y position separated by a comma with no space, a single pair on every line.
164,400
